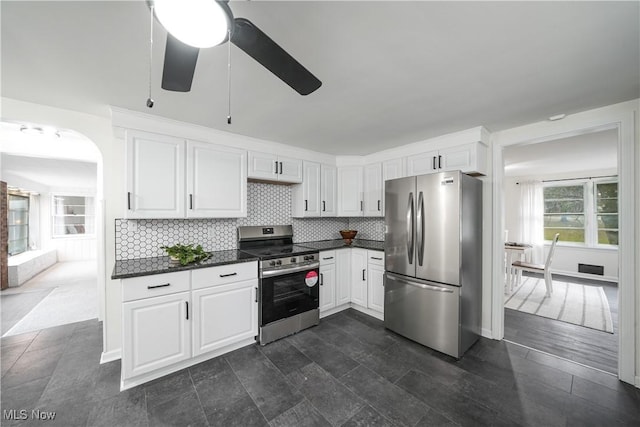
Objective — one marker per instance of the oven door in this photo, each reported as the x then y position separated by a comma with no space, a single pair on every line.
286,294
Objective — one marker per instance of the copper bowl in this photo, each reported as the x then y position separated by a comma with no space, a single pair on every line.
348,235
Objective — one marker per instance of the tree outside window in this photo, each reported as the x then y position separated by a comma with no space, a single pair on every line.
582,213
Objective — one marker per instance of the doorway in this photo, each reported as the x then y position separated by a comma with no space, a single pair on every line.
52,224
621,118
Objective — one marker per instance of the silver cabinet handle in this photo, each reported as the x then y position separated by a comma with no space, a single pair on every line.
363,274
187,304
129,200
280,168
410,236
276,171
190,201
321,279
256,294
159,286
420,228
329,257
375,257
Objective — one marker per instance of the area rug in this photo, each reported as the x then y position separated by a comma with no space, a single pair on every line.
570,302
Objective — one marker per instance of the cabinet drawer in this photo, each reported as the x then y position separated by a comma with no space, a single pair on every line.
327,257
205,277
375,257
154,285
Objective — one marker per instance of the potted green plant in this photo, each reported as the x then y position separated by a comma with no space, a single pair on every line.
185,254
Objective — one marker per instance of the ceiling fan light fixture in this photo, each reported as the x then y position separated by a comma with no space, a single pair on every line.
197,23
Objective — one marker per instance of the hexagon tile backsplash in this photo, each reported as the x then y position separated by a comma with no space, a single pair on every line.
267,204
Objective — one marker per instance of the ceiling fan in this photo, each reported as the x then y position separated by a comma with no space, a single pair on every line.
195,24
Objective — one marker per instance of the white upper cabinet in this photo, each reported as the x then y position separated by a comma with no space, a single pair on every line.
470,158
392,169
373,190
216,181
155,176
423,163
328,189
271,167
168,177
316,196
350,201
305,197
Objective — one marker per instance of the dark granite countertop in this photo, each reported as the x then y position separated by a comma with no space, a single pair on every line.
324,245
158,265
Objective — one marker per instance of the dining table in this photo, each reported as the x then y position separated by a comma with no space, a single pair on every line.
515,251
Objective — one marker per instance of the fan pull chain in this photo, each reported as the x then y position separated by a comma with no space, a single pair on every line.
149,99
229,76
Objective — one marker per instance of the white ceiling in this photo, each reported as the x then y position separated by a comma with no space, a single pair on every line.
36,173
392,72
596,151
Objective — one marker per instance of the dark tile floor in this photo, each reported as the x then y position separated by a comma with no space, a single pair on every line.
348,371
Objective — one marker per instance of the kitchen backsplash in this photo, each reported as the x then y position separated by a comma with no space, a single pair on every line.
267,204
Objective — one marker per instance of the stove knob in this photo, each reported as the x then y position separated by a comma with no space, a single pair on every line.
272,263
278,262
306,257
293,260
312,257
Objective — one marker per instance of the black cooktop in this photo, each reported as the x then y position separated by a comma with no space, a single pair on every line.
270,252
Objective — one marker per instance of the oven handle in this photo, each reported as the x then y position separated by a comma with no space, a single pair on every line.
282,272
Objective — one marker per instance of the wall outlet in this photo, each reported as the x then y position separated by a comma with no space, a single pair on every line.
210,232
132,226
380,227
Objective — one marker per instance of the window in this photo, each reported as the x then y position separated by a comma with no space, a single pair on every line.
564,213
18,224
73,215
583,212
607,212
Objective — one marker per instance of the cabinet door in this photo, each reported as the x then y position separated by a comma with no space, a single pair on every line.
350,201
263,166
392,169
155,176
328,188
216,181
289,170
375,287
156,333
311,189
373,190
422,163
469,158
343,276
359,276
224,314
327,287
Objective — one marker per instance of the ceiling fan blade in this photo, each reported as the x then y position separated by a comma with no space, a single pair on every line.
260,47
179,65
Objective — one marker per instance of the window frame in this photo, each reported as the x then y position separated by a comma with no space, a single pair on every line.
590,210
28,199
53,216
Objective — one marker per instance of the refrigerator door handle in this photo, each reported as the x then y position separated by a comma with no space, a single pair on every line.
420,229
410,229
429,287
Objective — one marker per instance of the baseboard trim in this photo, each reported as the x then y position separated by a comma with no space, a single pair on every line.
367,311
487,333
110,356
585,275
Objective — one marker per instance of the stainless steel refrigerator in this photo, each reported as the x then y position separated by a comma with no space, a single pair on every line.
433,260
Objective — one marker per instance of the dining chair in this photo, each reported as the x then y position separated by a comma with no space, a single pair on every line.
545,268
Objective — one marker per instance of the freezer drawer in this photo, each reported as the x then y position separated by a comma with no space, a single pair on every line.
425,312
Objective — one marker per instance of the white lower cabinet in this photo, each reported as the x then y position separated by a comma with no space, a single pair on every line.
156,333
327,286
224,314
174,320
343,276
359,276
375,280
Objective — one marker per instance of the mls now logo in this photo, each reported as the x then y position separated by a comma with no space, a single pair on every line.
23,414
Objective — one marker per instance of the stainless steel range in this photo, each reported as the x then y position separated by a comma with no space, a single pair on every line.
289,277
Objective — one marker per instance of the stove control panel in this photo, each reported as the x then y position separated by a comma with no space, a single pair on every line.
288,262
